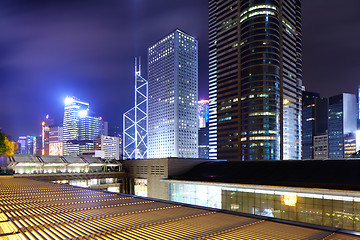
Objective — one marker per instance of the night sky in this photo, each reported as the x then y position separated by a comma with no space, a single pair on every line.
86,48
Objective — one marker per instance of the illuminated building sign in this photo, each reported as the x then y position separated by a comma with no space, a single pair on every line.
56,149
34,145
141,187
203,113
289,200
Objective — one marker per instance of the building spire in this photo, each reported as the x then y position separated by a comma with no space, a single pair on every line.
138,66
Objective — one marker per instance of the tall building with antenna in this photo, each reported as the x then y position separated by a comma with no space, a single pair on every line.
135,120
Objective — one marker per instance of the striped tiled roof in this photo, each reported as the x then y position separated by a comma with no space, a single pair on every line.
33,209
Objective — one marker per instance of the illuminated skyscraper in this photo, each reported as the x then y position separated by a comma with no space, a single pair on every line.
45,130
173,97
255,79
135,120
56,141
90,126
314,121
203,144
342,124
73,109
28,144
37,146
203,108
22,145
80,127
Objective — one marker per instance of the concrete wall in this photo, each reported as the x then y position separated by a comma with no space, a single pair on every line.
154,170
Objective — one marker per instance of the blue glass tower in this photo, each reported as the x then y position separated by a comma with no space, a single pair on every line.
342,122
314,121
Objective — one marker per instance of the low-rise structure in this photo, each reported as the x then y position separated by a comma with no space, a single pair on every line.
303,191
79,171
145,175
41,210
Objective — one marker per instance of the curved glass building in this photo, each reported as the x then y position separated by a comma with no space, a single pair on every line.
255,79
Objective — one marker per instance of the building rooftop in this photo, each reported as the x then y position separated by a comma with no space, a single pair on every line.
31,209
330,174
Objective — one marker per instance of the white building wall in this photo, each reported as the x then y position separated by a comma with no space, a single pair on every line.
173,96
110,147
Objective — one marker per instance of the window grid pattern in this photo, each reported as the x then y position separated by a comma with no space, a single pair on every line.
173,79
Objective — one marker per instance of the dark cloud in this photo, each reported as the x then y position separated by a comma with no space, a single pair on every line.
330,46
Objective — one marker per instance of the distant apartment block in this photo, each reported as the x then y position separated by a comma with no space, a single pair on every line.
349,144
109,145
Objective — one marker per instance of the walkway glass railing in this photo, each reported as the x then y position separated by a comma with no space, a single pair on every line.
332,208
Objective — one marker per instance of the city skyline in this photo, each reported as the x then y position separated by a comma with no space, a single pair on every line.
46,53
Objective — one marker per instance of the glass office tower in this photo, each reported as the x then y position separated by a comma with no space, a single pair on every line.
73,110
342,123
173,97
90,126
255,79
314,121
80,126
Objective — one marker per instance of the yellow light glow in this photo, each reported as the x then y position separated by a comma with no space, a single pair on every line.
289,200
286,101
